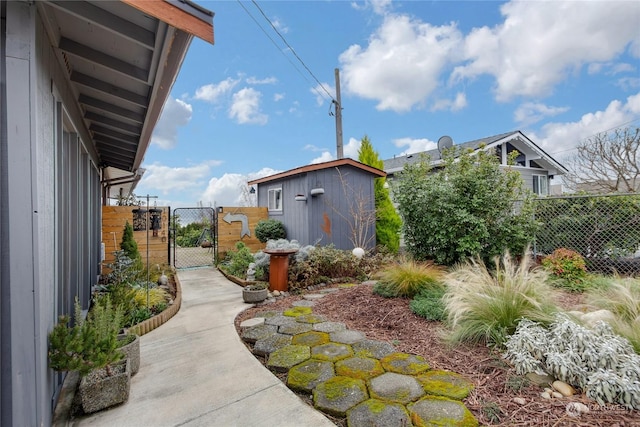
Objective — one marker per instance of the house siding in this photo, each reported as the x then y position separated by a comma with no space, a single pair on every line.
527,176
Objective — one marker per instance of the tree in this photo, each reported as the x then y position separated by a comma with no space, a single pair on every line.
470,207
128,244
388,222
607,163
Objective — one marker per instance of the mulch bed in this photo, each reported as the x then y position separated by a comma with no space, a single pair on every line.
496,384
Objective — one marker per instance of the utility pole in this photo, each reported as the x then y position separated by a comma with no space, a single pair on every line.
338,105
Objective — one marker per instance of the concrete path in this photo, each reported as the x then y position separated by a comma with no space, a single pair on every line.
195,370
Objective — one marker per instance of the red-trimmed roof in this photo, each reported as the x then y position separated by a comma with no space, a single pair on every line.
320,166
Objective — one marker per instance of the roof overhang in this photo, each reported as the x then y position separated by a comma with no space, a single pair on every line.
122,58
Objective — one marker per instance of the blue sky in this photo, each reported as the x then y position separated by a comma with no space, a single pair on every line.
410,72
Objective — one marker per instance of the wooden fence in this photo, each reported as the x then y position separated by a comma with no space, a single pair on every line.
230,227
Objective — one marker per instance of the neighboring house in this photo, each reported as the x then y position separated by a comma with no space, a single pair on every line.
325,203
536,167
82,87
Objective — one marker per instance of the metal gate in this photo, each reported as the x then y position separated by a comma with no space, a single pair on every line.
195,237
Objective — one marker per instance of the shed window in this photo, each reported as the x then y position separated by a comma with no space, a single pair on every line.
275,199
541,185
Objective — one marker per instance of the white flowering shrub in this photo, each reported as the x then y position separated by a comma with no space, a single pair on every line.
596,360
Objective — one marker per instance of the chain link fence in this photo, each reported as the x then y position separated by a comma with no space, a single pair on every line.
194,237
605,230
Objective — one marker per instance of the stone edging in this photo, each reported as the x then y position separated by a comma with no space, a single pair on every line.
236,280
159,319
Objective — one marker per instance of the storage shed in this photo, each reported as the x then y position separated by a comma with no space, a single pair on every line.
324,203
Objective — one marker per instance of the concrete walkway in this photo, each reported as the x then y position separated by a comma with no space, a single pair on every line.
195,370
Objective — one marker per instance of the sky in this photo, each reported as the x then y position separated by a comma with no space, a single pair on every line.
258,101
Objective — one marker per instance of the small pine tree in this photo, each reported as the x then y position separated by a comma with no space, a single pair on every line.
388,222
128,244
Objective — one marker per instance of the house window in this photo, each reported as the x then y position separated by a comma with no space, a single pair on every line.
541,185
275,199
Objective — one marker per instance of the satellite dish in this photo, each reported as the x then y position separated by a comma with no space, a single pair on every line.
444,142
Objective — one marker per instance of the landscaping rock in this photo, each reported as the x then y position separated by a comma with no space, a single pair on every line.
362,368
591,318
313,297
372,348
329,326
311,339
266,346
329,290
310,318
564,388
307,375
287,357
259,332
376,413
252,322
332,352
540,380
294,328
297,311
269,313
339,394
404,363
279,320
303,303
347,337
440,411
396,388
445,383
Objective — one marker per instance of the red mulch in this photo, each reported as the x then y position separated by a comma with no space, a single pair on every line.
496,383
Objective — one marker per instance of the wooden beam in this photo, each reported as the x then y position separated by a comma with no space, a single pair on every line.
110,108
121,126
174,16
109,88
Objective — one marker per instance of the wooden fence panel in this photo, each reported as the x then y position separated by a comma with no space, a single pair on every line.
230,227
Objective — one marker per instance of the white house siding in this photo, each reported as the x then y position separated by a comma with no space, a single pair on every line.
527,176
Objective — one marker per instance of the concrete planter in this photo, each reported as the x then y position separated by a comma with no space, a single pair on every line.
131,351
250,295
98,390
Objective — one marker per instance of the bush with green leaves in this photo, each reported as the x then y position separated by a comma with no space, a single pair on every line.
568,268
407,278
237,262
428,304
485,306
270,229
467,207
595,360
128,243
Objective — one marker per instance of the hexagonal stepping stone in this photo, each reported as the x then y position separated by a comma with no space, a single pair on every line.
404,363
269,313
446,384
297,311
332,352
329,290
376,413
440,411
329,326
307,375
396,388
311,339
252,322
313,297
339,394
362,368
259,332
310,318
372,348
294,328
347,336
369,282
279,320
287,357
268,345
347,285
303,303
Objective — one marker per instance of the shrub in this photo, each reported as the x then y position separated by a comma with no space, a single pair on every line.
484,306
428,304
128,243
157,296
238,261
407,278
568,267
270,229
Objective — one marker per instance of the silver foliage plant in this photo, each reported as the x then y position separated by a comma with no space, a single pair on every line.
262,259
596,360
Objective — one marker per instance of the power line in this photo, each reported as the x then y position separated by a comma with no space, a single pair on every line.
291,49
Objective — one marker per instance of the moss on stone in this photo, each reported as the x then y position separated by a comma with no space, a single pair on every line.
307,375
332,352
435,411
347,285
445,383
339,394
288,356
297,311
404,363
359,367
310,318
311,338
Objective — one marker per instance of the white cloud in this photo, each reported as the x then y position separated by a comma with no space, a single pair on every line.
320,92
540,44
628,83
265,81
562,137
379,7
279,25
163,179
414,145
278,96
227,189
401,65
456,104
532,112
175,113
350,149
324,157
311,147
245,108
213,92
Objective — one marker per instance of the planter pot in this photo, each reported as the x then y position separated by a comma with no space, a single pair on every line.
254,295
100,391
131,351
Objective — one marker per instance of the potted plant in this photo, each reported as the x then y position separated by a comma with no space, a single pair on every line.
90,347
256,292
129,345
